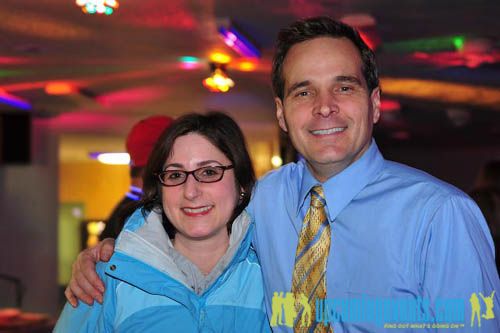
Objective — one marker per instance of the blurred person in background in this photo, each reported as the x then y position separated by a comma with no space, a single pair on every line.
139,144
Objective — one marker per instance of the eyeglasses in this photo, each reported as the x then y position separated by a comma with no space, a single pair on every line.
208,174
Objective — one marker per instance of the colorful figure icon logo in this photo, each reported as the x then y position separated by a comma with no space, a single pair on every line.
476,308
290,305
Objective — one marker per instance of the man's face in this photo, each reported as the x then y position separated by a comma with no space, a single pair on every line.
327,109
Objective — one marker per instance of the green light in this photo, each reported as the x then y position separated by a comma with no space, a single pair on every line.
91,9
189,59
435,44
14,73
459,42
108,11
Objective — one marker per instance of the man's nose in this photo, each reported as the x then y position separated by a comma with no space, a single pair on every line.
327,104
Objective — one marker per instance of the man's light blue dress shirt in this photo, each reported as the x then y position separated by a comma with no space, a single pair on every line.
397,232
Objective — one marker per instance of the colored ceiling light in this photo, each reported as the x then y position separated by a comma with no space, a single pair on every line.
106,7
454,59
459,42
218,81
111,158
246,66
236,40
14,73
435,44
389,105
366,25
276,161
188,62
14,101
220,58
446,92
59,88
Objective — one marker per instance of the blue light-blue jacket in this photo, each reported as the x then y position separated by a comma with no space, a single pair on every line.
147,292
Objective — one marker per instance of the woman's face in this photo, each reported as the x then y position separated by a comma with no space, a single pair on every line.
199,210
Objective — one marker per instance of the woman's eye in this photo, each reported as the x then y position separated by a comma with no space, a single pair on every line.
209,172
174,175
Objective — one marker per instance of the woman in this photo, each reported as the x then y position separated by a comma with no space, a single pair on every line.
183,262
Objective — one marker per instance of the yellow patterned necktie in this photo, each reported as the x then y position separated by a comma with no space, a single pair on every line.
309,273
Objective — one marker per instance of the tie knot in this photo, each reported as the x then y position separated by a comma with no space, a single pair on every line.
317,196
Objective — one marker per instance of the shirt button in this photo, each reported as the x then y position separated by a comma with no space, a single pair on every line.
112,267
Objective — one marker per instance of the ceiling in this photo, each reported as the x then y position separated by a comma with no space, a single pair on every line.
125,66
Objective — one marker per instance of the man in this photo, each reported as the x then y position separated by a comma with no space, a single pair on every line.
383,243
140,142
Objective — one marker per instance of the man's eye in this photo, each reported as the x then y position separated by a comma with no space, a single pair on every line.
302,94
345,89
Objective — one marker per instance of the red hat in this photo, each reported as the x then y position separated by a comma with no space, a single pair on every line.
143,136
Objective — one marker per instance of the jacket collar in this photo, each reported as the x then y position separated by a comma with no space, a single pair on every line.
144,247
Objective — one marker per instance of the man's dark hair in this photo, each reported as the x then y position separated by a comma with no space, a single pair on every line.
311,28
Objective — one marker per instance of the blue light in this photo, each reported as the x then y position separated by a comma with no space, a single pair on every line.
241,45
15,102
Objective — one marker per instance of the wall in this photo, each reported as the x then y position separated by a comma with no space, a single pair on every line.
97,186
458,165
28,221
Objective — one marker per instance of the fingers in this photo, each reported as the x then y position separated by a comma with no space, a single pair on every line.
70,297
85,284
88,279
74,291
107,249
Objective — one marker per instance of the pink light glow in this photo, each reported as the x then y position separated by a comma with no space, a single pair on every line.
451,59
229,42
14,60
231,36
189,65
174,14
389,105
83,121
132,96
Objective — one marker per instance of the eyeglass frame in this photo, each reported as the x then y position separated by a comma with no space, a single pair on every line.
187,173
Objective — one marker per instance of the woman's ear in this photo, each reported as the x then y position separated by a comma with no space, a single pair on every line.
242,194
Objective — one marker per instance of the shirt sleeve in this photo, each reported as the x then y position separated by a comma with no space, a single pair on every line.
84,318
458,263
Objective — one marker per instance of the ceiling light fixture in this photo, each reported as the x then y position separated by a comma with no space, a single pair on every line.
189,62
111,158
218,81
59,88
237,41
91,7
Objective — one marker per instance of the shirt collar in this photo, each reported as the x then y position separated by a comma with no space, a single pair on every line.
343,187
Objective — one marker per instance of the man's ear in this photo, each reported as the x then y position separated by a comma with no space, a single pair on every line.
280,114
375,100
